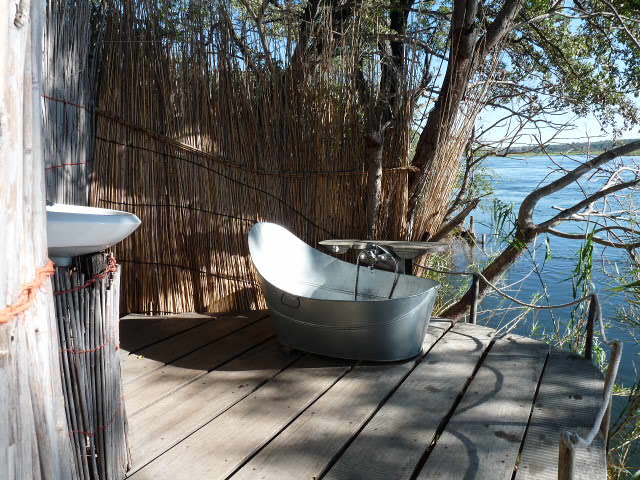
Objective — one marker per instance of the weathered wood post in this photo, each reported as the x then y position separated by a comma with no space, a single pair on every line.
34,441
475,289
566,458
570,441
592,317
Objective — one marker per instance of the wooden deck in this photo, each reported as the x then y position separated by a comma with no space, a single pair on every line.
215,397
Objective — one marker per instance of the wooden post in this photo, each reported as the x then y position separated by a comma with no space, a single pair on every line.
592,317
34,441
604,427
408,266
610,379
475,291
566,458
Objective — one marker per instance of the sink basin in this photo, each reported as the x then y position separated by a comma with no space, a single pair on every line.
74,230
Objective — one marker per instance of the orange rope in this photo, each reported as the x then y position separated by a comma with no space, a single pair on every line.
111,267
27,293
92,433
62,165
75,351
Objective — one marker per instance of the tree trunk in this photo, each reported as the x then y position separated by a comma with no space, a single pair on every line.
436,175
374,181
438,128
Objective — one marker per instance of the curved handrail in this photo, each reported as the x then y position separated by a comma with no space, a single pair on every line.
569,441
506,295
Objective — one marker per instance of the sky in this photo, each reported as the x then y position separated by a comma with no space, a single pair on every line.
585,129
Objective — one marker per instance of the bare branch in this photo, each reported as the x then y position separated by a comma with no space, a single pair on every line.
601,241
586,202
525,214
258,18
622,23
455,221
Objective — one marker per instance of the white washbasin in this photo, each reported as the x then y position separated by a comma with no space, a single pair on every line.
74,230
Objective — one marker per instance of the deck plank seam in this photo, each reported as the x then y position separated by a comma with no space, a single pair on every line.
380,405
445,420
174,334
203,324
185,354
172,390
533,405
258,449
297,358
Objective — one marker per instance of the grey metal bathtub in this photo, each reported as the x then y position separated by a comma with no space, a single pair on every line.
311,296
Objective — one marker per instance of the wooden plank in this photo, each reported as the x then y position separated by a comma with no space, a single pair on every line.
218,448
569,397
163,381
391,444
482,439
162,425
138,331
306,447
168,350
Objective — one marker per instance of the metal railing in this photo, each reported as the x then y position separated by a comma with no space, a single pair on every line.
569,441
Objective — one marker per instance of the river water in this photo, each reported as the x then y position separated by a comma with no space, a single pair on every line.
512,179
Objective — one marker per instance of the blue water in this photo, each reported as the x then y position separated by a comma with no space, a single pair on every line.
512,180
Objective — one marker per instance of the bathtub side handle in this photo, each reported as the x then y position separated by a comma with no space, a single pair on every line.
286,296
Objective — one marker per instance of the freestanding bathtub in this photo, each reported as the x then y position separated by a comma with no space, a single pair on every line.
311,296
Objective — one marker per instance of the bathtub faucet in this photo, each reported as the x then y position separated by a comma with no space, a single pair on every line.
371,256
374,254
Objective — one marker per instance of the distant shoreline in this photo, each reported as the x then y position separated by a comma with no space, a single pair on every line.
592,153
567,149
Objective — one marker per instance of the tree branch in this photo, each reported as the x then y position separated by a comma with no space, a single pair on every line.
500,26
601,241
623,24
525,214
586,202
455,221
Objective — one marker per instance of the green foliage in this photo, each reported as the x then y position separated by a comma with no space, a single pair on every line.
548,254
503,220
583,271
573,60
557,57
449,289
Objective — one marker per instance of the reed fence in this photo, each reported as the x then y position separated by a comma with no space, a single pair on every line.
71,63
200,149
174,121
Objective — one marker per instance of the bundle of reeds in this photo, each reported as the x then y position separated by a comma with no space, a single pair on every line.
71,60
87,312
